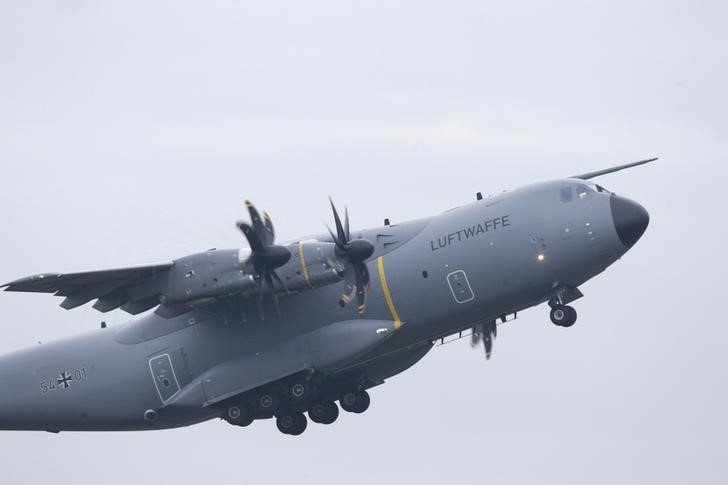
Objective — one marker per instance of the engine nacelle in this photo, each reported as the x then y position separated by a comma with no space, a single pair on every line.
220,273
212,274
312,264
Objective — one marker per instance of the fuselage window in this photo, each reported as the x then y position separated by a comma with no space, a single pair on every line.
566,194
582,191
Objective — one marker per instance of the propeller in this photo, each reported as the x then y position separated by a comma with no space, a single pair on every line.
354,254
266,256
487,332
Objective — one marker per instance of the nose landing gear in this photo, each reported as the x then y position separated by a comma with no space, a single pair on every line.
563,315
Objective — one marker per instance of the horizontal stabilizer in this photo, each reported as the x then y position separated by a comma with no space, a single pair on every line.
590,175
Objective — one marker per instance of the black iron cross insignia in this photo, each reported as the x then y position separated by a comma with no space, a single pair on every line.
64,380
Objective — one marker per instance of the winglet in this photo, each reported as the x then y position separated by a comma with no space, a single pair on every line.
587,176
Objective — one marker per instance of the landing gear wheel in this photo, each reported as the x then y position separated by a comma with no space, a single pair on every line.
363,402
323,412
238,414
267,403
292,424
563,316
301,391
354,401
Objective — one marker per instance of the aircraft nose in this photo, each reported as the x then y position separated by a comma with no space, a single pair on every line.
630,219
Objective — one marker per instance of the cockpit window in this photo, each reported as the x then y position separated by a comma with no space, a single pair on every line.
566,194
582,191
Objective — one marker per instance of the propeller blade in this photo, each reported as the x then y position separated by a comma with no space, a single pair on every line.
338,243
346,224
341,235
258,225
279,280
269,231
253,240
269,282
260,298
361,295
365,273
349,286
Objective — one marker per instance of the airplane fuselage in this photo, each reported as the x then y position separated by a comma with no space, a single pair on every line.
429,278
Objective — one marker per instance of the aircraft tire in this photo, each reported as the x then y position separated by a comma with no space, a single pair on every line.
301,424
571,320
291,424
563,316
238,414
347,400
267,403
301,391
354,401
362,404
323,412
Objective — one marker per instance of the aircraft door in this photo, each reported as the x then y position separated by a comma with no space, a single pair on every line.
164,376
460,286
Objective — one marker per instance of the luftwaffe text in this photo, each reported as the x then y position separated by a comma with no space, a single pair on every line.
470,232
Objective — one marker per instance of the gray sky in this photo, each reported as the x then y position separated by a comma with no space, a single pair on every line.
132,132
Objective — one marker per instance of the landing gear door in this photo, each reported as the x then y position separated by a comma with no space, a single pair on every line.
165,379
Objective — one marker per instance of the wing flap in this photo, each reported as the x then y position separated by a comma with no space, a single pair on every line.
72,302
111,301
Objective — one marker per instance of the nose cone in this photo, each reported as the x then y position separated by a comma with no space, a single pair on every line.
630,219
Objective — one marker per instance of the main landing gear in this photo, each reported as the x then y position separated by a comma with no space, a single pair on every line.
563,315
288,402
354,401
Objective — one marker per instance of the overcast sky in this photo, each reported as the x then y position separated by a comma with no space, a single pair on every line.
131,132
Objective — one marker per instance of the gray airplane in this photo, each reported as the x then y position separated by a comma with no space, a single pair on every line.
266,331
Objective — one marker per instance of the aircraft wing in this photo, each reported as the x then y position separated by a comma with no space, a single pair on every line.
135,289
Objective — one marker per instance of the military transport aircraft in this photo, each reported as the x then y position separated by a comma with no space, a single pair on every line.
282,330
